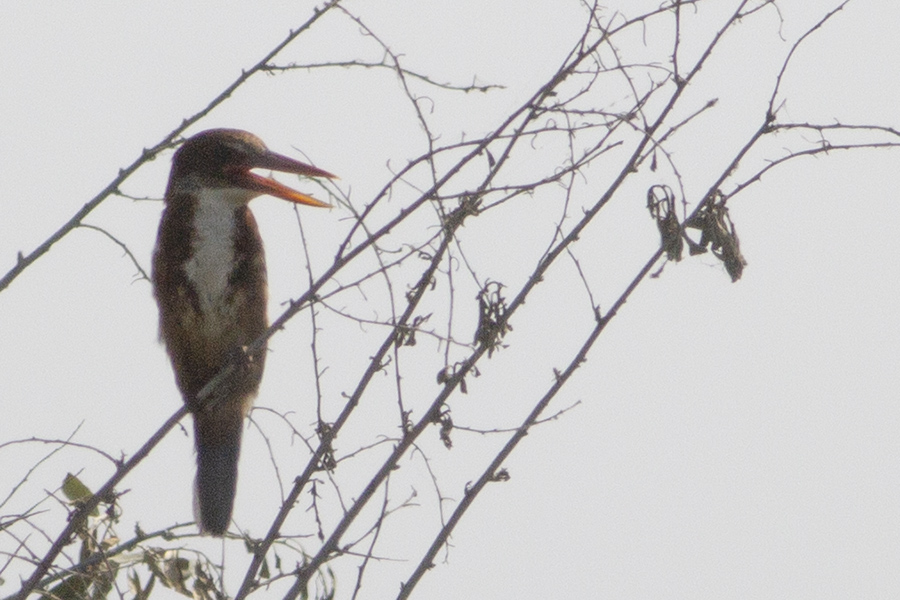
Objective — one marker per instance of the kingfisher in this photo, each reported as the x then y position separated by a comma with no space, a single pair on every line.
209,280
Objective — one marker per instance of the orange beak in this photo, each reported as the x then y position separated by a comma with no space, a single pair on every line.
277,162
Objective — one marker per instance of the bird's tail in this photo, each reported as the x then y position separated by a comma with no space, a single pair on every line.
218,438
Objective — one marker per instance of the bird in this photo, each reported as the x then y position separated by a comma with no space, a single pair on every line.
209,281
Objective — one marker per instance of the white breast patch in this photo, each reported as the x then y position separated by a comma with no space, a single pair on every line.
212,258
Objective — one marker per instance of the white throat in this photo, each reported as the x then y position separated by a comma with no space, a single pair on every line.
212,256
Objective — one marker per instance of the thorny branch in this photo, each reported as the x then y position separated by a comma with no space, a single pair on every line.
417,256
169,140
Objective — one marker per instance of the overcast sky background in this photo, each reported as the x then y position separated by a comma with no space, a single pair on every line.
732,440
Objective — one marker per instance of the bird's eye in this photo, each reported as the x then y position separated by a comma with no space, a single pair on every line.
232,170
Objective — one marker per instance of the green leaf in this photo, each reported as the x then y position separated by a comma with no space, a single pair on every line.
77,492
74,490
70,588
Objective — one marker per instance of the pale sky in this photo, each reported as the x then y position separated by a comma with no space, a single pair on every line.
730,441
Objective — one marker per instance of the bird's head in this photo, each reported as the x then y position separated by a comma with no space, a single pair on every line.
224,159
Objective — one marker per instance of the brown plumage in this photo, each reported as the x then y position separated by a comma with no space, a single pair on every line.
209,279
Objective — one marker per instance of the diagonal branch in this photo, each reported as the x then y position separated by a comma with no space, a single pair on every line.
169,140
